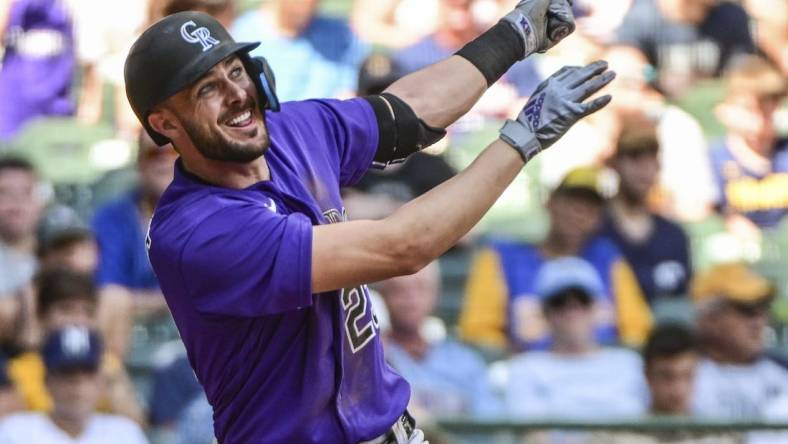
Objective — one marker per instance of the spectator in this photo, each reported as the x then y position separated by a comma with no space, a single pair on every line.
313,55
751,163
686,189
736,380
72,357
657,249
670,358
575,378
771,30
38,63
128,287
459,22
686,184
64,241
10,401
67,298
446,377
686,40
501,309
20,209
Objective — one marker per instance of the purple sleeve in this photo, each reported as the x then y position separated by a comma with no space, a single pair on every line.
247,261
352,127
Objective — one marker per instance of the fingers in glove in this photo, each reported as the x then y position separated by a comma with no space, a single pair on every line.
596,104
583,74
590,87
562,72
560,21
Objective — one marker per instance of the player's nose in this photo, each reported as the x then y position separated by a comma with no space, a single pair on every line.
236,93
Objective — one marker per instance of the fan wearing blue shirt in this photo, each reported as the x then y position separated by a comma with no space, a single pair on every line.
313,55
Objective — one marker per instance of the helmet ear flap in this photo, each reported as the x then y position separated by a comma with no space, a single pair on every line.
264,79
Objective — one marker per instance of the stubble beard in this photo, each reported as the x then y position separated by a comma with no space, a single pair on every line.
215,146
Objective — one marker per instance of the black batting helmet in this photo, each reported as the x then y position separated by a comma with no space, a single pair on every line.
175,52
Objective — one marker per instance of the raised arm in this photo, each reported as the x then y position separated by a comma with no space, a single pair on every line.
358,252
441,93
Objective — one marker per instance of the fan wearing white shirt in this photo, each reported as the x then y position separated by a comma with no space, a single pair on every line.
736,380
576,378
71,357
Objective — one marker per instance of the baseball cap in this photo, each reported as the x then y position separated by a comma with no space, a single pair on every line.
559,275
172,54
637,138
377,72
584,180
59,224
753,75
72,348
735,282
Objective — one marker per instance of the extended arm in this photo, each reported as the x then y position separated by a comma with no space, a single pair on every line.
352,253
441,93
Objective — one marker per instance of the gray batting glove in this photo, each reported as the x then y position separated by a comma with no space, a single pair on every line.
541,23
555,106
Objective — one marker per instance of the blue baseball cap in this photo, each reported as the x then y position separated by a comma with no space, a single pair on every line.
562,274
72,348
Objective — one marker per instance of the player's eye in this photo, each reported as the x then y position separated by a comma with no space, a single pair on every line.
236,72
206,89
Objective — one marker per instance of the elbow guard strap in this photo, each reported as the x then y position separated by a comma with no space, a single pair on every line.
401,132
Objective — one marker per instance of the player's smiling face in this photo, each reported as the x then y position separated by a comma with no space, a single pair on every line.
221,114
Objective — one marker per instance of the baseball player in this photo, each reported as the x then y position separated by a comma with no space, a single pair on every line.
263,274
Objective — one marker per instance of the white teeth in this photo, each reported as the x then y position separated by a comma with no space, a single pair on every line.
241,118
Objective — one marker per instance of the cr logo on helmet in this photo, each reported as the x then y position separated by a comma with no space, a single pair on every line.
200,35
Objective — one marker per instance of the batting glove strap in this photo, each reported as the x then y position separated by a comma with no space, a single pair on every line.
521,138
525,28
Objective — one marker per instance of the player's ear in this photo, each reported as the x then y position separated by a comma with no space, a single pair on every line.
164,123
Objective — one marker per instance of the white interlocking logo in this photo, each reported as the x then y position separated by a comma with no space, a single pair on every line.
199,35
76,341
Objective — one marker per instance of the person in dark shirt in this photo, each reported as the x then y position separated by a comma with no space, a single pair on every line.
687,40
656,248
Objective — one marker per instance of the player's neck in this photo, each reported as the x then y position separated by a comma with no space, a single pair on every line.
229,174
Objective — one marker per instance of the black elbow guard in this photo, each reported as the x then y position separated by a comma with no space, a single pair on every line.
401,132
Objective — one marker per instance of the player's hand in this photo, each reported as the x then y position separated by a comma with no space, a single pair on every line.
556,105
542,23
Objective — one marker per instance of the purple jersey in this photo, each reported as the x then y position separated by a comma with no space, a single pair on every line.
278,363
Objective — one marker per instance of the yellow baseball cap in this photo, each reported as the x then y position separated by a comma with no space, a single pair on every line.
582,178
735,282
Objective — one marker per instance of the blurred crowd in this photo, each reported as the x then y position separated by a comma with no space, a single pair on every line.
636,269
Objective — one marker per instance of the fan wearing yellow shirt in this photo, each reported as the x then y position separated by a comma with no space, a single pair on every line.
501,312
67,298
